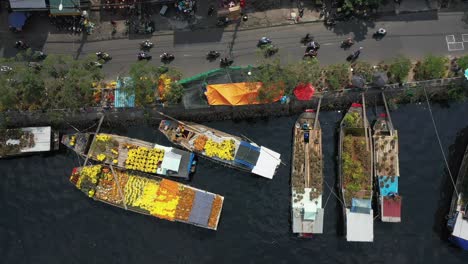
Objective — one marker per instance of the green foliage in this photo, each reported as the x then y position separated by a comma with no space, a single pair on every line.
337,76
359,6
352,120
175,93
432,67
463,62
145,78
399,69
273,79
363,69
306,71
456,93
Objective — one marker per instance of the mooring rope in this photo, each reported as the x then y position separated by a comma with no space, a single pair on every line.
332,192
440,142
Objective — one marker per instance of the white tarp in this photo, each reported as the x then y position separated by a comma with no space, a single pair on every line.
461,227
28,4
267,163
171,161
359,227
42,139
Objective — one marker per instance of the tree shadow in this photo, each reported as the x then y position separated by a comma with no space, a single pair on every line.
359,27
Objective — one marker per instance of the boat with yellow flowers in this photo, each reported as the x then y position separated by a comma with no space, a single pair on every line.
221,147
132,154
155,196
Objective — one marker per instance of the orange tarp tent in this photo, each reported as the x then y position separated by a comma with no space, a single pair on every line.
233,93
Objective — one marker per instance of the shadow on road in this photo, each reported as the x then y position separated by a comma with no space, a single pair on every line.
358,27
418,16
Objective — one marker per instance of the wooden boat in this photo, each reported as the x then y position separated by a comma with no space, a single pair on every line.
457,222
150,195
132,154
27,140
386,167
220,147
355,174
307,176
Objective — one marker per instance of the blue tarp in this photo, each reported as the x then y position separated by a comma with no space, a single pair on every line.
201,208
388,185
122,98
362,206
17,19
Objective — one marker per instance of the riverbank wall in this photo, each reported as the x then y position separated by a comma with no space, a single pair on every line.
124,117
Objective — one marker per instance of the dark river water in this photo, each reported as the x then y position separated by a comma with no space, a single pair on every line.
44,219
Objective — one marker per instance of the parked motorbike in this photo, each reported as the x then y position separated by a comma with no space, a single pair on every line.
223,21
144,56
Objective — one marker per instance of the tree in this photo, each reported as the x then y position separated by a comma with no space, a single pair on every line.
306,71
399,69
463,62
273,80
350,7
337,76
145,78
175,93
432,67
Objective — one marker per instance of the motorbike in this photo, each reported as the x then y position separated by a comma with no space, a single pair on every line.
223,21
144,56
313,45
21,45
103,56
146,45
310,54
379,34
212,55
307,39
347,43
352,57
166,57
263,41
95,64
225,62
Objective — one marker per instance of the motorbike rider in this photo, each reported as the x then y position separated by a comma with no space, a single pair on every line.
20,44
313,45
166,56
213,53
265,40
348,42
381,31
357,53
226,61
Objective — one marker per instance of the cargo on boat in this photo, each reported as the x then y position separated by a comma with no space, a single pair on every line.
149,195
132,154
221,147
27,140
457,222
355,174
386,167
307,176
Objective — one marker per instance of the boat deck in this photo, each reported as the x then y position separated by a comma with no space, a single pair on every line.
306,176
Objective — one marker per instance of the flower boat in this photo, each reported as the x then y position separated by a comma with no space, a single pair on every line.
27,140
155,196
221,147
386,168
132,154
457,222
307,176
355,175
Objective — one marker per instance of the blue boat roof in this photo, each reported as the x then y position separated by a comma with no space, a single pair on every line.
387,185
122,98
362,206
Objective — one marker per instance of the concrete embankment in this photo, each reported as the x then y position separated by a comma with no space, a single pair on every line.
151,116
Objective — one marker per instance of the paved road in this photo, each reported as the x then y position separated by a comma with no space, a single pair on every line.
414,35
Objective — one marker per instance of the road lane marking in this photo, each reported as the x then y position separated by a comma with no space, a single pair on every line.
454,46
450,38
187,55
465,37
